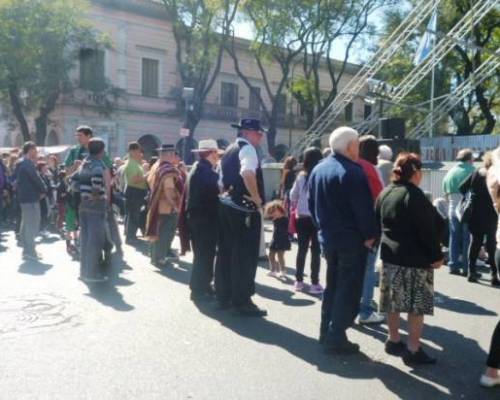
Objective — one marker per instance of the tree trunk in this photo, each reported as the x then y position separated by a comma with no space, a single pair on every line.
17,110
41,129
271,137
486,110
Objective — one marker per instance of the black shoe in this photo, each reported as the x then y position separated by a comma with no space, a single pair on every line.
420,357
495,281
472,279
344,348
455,272
249,310
395,349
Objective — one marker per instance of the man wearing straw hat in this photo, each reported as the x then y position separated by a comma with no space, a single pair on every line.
202,203
240,222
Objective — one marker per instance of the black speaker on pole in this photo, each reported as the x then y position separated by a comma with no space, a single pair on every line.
392,128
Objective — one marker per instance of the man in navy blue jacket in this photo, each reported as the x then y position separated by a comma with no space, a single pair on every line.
30,189
341,204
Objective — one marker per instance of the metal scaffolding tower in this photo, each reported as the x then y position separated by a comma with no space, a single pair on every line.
421,11
485,70
391,45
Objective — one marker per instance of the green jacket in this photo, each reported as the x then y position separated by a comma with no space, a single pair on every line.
456,176
80,153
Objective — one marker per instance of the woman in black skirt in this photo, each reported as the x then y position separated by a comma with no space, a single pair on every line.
280,242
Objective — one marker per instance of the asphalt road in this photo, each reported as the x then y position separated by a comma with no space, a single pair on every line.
139,337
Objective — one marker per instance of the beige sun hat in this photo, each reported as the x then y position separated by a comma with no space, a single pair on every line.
208,145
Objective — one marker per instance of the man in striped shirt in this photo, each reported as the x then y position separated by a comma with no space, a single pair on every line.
93,180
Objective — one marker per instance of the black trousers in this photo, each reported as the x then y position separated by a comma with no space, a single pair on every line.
307,235
203,232
342,296
134,199
494,356
237,255
475,247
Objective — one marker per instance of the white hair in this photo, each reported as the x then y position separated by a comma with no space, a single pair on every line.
341,137
385,152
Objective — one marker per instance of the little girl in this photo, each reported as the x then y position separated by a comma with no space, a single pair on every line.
280,242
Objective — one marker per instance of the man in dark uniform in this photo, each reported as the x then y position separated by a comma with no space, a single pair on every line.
202,202
240,221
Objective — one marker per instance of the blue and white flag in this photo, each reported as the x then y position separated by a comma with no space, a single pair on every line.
428,41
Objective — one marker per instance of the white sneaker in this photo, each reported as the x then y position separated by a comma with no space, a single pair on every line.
374,318
488,381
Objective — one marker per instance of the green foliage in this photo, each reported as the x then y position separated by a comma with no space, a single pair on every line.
39,45
334,23
475,114
200,29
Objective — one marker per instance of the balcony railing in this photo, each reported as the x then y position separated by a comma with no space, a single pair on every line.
231,114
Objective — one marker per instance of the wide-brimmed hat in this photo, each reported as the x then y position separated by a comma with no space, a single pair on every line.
164,148
249,124
207,145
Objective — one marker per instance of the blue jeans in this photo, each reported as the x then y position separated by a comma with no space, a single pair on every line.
459,245
368,285
341,299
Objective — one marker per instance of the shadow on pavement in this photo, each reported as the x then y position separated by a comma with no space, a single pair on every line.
283,295
107,293
361,367
36,268
460,360
460,306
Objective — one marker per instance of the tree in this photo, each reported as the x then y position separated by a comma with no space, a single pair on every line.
337,22
39,44
475,113
201,29
280,28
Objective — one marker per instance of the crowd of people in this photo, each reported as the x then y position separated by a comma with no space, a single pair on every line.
351,204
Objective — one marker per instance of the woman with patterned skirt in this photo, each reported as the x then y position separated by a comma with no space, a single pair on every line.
410,251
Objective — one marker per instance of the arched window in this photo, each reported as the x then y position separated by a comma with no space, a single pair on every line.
52,139
223,144
18,142
7,141
149,144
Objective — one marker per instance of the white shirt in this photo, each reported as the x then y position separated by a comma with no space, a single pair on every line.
249,161
299,196
248,157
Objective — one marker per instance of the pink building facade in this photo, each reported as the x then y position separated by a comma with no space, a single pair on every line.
141,62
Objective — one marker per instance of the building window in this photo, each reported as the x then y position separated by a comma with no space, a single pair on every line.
281,104
150,77
254,99
229,95
92,69
368,111
348,112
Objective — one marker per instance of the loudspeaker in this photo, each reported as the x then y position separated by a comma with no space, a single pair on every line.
392,128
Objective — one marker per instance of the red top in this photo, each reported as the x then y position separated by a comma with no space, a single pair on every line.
376,185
